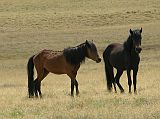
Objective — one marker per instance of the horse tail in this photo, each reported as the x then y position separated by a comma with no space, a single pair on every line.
108,69
30,71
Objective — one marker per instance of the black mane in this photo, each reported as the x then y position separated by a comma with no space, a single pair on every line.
128,44
76,55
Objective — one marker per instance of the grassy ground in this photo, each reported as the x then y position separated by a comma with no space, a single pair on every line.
27,27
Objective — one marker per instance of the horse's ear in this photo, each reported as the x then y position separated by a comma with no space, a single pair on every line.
87,44
131,32
141,30
86,41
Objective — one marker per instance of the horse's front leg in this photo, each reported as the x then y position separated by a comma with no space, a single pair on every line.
76,84
129,79
135,79
73,82
72,87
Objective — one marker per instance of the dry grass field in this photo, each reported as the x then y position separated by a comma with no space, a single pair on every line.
28,26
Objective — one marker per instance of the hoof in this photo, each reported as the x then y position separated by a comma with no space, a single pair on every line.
122,91
77,93
109,90
135,92
31,96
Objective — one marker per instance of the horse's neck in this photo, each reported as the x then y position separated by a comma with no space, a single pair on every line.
82,49
134,53
75,55
128,45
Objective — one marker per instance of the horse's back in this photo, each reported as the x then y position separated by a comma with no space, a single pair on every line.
116,55
111,48
47,54
49,59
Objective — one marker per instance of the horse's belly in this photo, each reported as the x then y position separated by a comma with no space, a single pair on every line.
120,67
118,63
56,70
55,65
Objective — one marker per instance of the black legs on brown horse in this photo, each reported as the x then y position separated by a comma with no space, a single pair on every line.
74,83
37,83
34,86
37,88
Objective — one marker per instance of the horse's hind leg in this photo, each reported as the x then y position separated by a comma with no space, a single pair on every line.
35,87
39,89
114,84
45,73
117,77
41,74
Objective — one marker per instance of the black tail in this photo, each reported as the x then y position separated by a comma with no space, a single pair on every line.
108,69
30,71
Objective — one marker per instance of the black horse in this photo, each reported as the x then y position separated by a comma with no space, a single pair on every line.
123,57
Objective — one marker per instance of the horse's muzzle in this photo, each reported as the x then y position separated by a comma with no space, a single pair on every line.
98,60
138,49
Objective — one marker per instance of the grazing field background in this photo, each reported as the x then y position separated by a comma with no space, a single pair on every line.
28,26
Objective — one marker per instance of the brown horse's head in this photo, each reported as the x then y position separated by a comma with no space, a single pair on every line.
92,52
136,39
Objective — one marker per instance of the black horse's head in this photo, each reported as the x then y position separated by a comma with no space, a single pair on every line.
136,39
92,52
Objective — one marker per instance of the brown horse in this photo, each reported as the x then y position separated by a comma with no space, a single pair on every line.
67,62
123,57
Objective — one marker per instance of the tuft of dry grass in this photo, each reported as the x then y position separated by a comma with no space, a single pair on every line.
27,27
